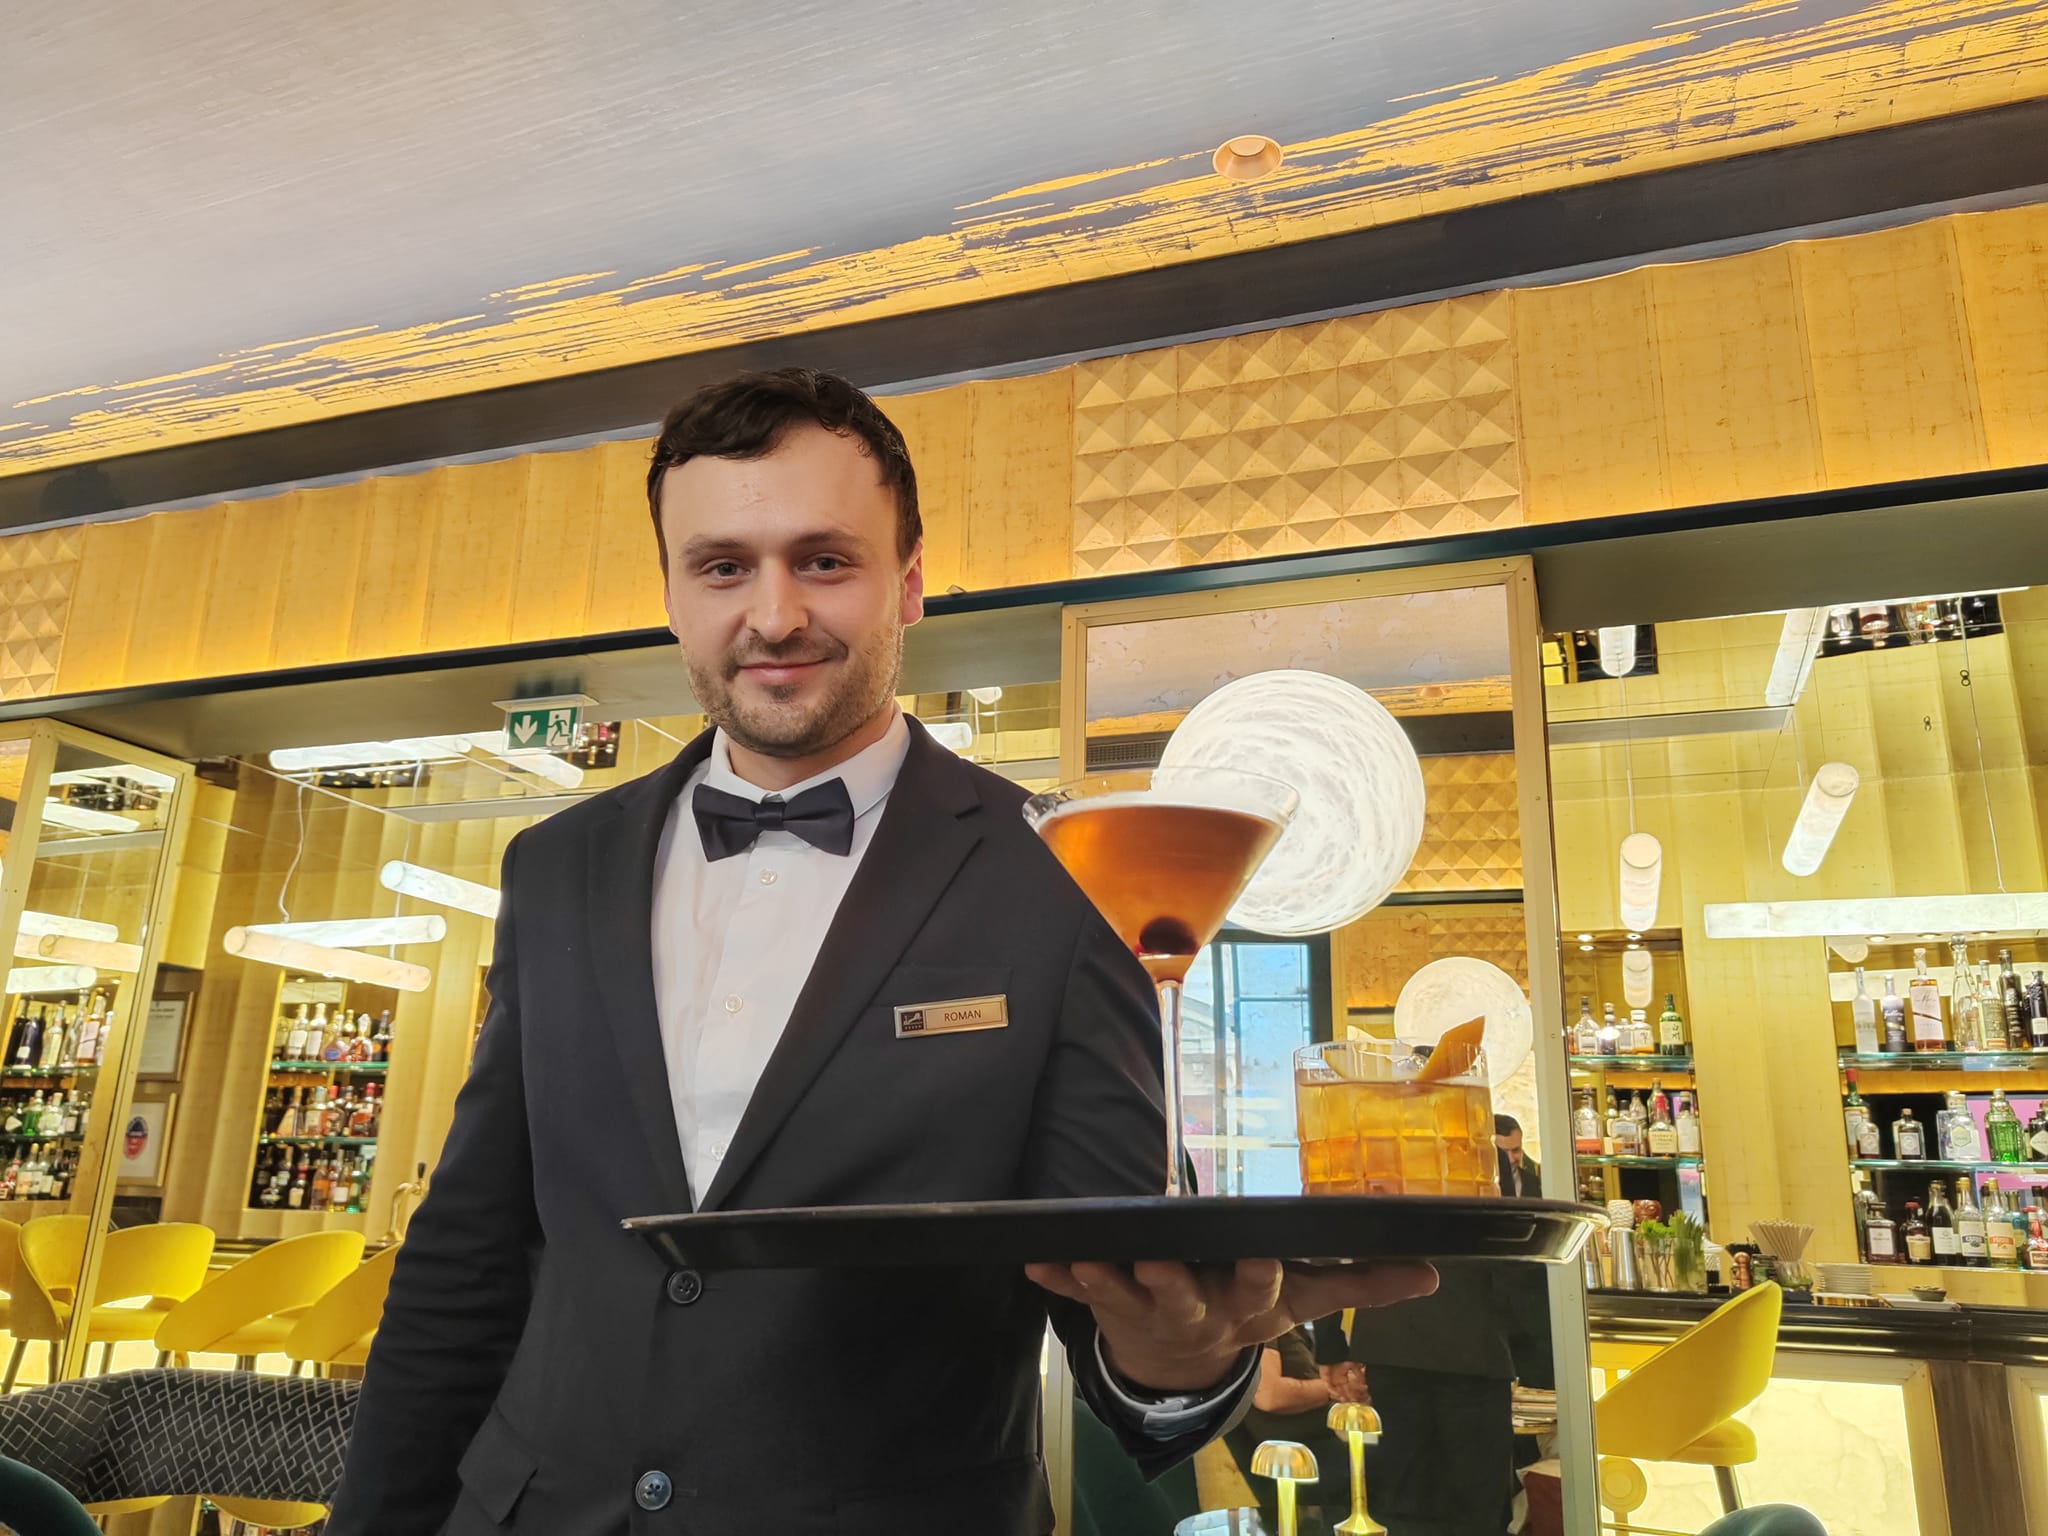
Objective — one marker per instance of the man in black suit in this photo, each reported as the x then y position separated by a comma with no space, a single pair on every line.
720,986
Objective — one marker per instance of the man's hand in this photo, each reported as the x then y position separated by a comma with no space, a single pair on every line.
1169,1328
1346,1382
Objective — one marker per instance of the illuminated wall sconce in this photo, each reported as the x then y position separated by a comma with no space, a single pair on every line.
1827,802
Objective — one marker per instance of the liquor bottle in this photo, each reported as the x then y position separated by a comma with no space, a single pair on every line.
1610,1031
1688,1127
1892,1008
11,1179
2037,1135
74,1115
1863,1011
1854,1112
366,1041
1970,1240
1881,1237
1639,1111
1941,1225
1930,1033
363,1122
323,1184
67,1047
2002,1130
383,1039
1999,1248
92,1033
1671,1028
316,1035
14,1034
1958,1135
281,1039
295,1042
27,1047
1909,1138
301,1187
1585,1033
2037,1243
1965,1017
338,1040
1660,1136
1586,1123
1913,1236
2037,1012
2012,1002
1624,1130
1642,1038
53,1114
33,1117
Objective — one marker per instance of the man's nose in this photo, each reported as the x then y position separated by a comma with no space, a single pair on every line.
777,610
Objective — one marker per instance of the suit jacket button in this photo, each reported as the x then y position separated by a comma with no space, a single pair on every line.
653,1490
685,1286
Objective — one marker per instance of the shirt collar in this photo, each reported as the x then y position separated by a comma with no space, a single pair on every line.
869,774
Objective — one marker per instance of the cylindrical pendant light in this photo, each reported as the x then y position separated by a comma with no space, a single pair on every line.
109,955
1636,986
1642,873
1827,802
1798,643
1618,650
78,818
298,955
50,978
432,885
40,923
363,932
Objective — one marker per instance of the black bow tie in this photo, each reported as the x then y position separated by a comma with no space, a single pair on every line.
822,817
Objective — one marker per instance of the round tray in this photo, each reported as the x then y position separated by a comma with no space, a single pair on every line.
1199,1229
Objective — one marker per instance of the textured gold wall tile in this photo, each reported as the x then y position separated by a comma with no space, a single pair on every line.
37,574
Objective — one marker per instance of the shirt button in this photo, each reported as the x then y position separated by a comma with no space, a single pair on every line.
767,877
685,1286
735,1003
653,1490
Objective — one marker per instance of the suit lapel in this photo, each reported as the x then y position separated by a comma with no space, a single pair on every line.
927,830
620,914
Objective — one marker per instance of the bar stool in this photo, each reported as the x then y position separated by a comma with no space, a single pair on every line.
250,1310
160,1264
51,1249
336,1329
1680,1404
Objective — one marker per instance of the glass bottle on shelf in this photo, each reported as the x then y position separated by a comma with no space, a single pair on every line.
1688,1127
1610,1031
92,1034
1624,1130
281,1041
1941,1225
2012,1004
1585,1033
1660,1136
1881,1236
1855,1111
1892,1009
1957,1136
1863,1013
1636,1039
2037,1012
2000,1251
1909,1137
2002,1129
1965,1016
1914,1238
316,1035
382,1041
1671,1039
27,1046
1970,1242
1930,1032
295,1041
1586,1123
2037,1243
295,1195
2037,1134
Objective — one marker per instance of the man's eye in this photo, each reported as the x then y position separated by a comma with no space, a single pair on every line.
829,563
722,570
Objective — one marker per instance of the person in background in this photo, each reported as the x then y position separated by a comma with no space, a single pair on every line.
1519,1175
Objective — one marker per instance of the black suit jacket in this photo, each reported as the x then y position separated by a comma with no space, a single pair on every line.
535,1362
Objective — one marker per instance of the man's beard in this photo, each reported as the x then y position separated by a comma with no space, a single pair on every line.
779,727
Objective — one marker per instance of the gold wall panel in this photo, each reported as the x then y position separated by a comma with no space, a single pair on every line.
1364,430
37,574
1376,955
1472,831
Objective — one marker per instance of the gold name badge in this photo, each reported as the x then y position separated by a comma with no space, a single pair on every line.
952,1018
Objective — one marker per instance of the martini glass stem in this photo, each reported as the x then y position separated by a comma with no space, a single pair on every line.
1169,1029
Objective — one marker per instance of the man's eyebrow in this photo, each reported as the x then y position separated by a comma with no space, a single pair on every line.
709,547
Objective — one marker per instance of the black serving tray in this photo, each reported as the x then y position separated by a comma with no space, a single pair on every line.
1196,1229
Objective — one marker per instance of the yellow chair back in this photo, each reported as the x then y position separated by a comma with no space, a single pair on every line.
334,1325
1696,1382
271,1514
164,1261
51,1249
10,1253
282,1278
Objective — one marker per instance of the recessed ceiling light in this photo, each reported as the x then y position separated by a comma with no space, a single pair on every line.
1586,946
1585,938
1877,938
1248,157
1635,935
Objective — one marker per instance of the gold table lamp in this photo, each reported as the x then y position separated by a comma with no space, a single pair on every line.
1360,1427
1288,1462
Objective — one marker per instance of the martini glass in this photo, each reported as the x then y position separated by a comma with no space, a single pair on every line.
1163,855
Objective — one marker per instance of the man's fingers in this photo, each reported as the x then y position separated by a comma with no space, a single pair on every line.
1175,1294
1102,1287
1318,1293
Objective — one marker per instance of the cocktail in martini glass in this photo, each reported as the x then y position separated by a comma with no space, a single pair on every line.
1163,855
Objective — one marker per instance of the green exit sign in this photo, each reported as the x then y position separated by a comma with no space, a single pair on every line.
543,727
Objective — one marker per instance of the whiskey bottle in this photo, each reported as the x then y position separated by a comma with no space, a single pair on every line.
366,1041
295,1197
2012,1002
92,1034
295,1042
1970,1240
1585,1033
1965,1017
1642,1040
1671,1029
2002,1129
1688,1127
1909,1138
1913,1236
1941,1226
1586,1123
1892,1009
1863,1012
2037,1012
1660,1136
1881,1237
1610,1031
2037,1243
1999,1248
316,1035
1854,1113
1930,1033
383,1041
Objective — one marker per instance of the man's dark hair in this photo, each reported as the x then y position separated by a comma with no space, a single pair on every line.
1505,1125
748,415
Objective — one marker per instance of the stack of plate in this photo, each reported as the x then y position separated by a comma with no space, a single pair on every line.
1842,1279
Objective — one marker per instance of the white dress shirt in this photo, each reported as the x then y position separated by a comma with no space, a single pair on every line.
734,941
